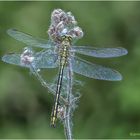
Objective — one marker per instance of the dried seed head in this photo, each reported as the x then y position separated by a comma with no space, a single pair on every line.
26,57
57,16
76,32
71,18
61,112
63,23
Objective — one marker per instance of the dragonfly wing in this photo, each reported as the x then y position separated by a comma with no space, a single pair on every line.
100,52
95,71
45,59
29,40
41,60
13,59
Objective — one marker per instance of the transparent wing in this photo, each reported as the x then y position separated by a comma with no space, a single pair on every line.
41,60
46,59
29,40
100,52
95,71
13,59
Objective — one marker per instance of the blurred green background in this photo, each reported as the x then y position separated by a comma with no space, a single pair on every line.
106,109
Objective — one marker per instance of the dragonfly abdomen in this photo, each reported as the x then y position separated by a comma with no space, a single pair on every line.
57,96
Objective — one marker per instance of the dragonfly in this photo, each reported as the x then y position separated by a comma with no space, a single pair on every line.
60,56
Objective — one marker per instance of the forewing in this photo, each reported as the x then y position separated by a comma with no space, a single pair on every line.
95,71
29,40
100,52
13,59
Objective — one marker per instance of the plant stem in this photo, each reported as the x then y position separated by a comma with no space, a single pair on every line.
68,111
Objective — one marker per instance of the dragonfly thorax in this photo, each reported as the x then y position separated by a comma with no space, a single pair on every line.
67,38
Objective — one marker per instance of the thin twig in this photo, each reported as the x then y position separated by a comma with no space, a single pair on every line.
68,111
